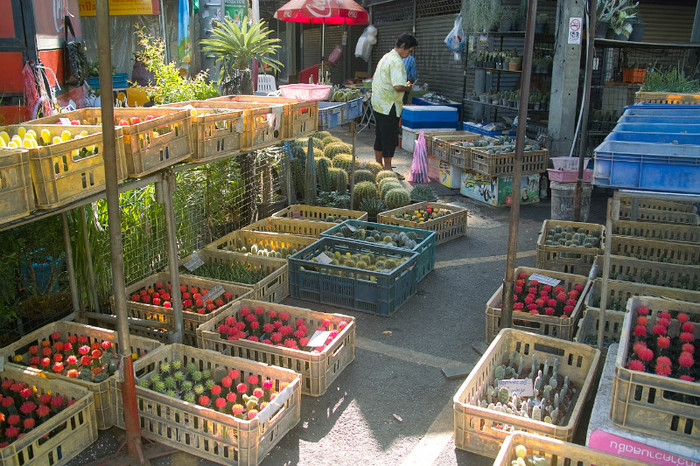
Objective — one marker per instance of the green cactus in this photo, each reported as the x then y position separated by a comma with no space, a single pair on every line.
333,177
383,181
421,193
385,174
363,175
324,180
364,190
335,148
321,135
374,167
344,161
385,187
304,143
298,176
329,139
397,197
372,206
341,181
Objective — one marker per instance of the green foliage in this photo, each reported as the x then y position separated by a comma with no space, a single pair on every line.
421,193
670,80
233,47
482,15
333,199
364,190
363,175
385,174
344,161
397,197
322,135
335,148
170,86
374,167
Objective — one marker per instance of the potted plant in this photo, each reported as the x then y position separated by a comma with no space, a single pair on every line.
515,62
507,19
541,23
669,85
233,48
483,15
616,17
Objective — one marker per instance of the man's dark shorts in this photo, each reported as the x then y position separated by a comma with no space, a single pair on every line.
386,132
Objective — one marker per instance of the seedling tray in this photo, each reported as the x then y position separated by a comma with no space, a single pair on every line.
375,292
105,413
483,431
263,240
318,370
649,403
446,228
204,432
16,194
552,326
568,259
425,241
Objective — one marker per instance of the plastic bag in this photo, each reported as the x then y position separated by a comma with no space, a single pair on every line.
419,166
455,40
363,49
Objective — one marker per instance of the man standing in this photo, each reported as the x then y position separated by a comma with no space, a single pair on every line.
388,87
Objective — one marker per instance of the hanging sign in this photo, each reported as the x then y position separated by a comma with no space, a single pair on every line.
236,10
121,7
575,26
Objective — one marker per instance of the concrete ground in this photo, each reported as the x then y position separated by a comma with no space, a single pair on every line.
393,405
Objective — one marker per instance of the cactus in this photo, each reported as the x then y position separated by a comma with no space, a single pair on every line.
298,176
397,197
387,186
329,139
363,175
317,152
344,161
324,180
304,142
364,190
374,167
333,177
321,135
335,148
341,181
422,193
385,174
372,206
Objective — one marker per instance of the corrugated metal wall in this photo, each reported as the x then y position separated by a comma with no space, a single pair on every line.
667,21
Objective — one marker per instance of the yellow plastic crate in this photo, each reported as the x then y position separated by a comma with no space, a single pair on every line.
446,228
262,239
568,259
16,194
666,98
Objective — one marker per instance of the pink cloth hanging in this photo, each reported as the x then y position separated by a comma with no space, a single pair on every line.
419,166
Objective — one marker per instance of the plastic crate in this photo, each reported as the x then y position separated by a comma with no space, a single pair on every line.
353,109
190,320
330,114
145,147
660,205
568,259
375,292
646,402
318,370
620,291
587,331
302,114
217,131
206,433
486,129
569,176
667,98
316,218
654,167
429,116
475,427
306,91
656,215
263,239
657,231
534,161
443,147
425,242
661,110
409,136
105,413
274,287
58,178
60,438
556,452
659,127
16,192
686,277
656,250
444,134
656,138
287,226
551,326
446,228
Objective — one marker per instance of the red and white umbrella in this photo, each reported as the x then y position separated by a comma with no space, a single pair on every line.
323,12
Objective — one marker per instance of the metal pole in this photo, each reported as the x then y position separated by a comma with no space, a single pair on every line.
613,214
585,103
167,187
353,131
131,416
165,35
323,52
92,291
69,264
509,281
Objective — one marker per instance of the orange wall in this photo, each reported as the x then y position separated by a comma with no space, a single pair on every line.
12,63
7,26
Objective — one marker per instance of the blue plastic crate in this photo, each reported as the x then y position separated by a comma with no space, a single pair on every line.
421,101
353,109
662,109
120,80
673,119
374,292
429,116
659,128
425,240
330,114
656,138
482,129
653,167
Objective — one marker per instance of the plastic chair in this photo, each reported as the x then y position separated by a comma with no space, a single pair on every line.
266,84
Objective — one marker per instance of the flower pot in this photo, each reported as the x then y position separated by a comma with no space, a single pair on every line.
637,32
620,37
601,29
515,65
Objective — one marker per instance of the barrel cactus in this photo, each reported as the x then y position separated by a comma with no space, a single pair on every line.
321,135
374,167
335,148
329,139
324,179
397,197
363,175
364,190
304,142
341,181
387,186
317,152
385,174
344,161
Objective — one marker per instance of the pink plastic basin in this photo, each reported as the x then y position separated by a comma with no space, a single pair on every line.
305,91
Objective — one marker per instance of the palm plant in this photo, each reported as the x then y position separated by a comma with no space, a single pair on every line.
234,47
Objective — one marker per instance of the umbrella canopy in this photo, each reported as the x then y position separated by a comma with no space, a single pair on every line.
323,12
